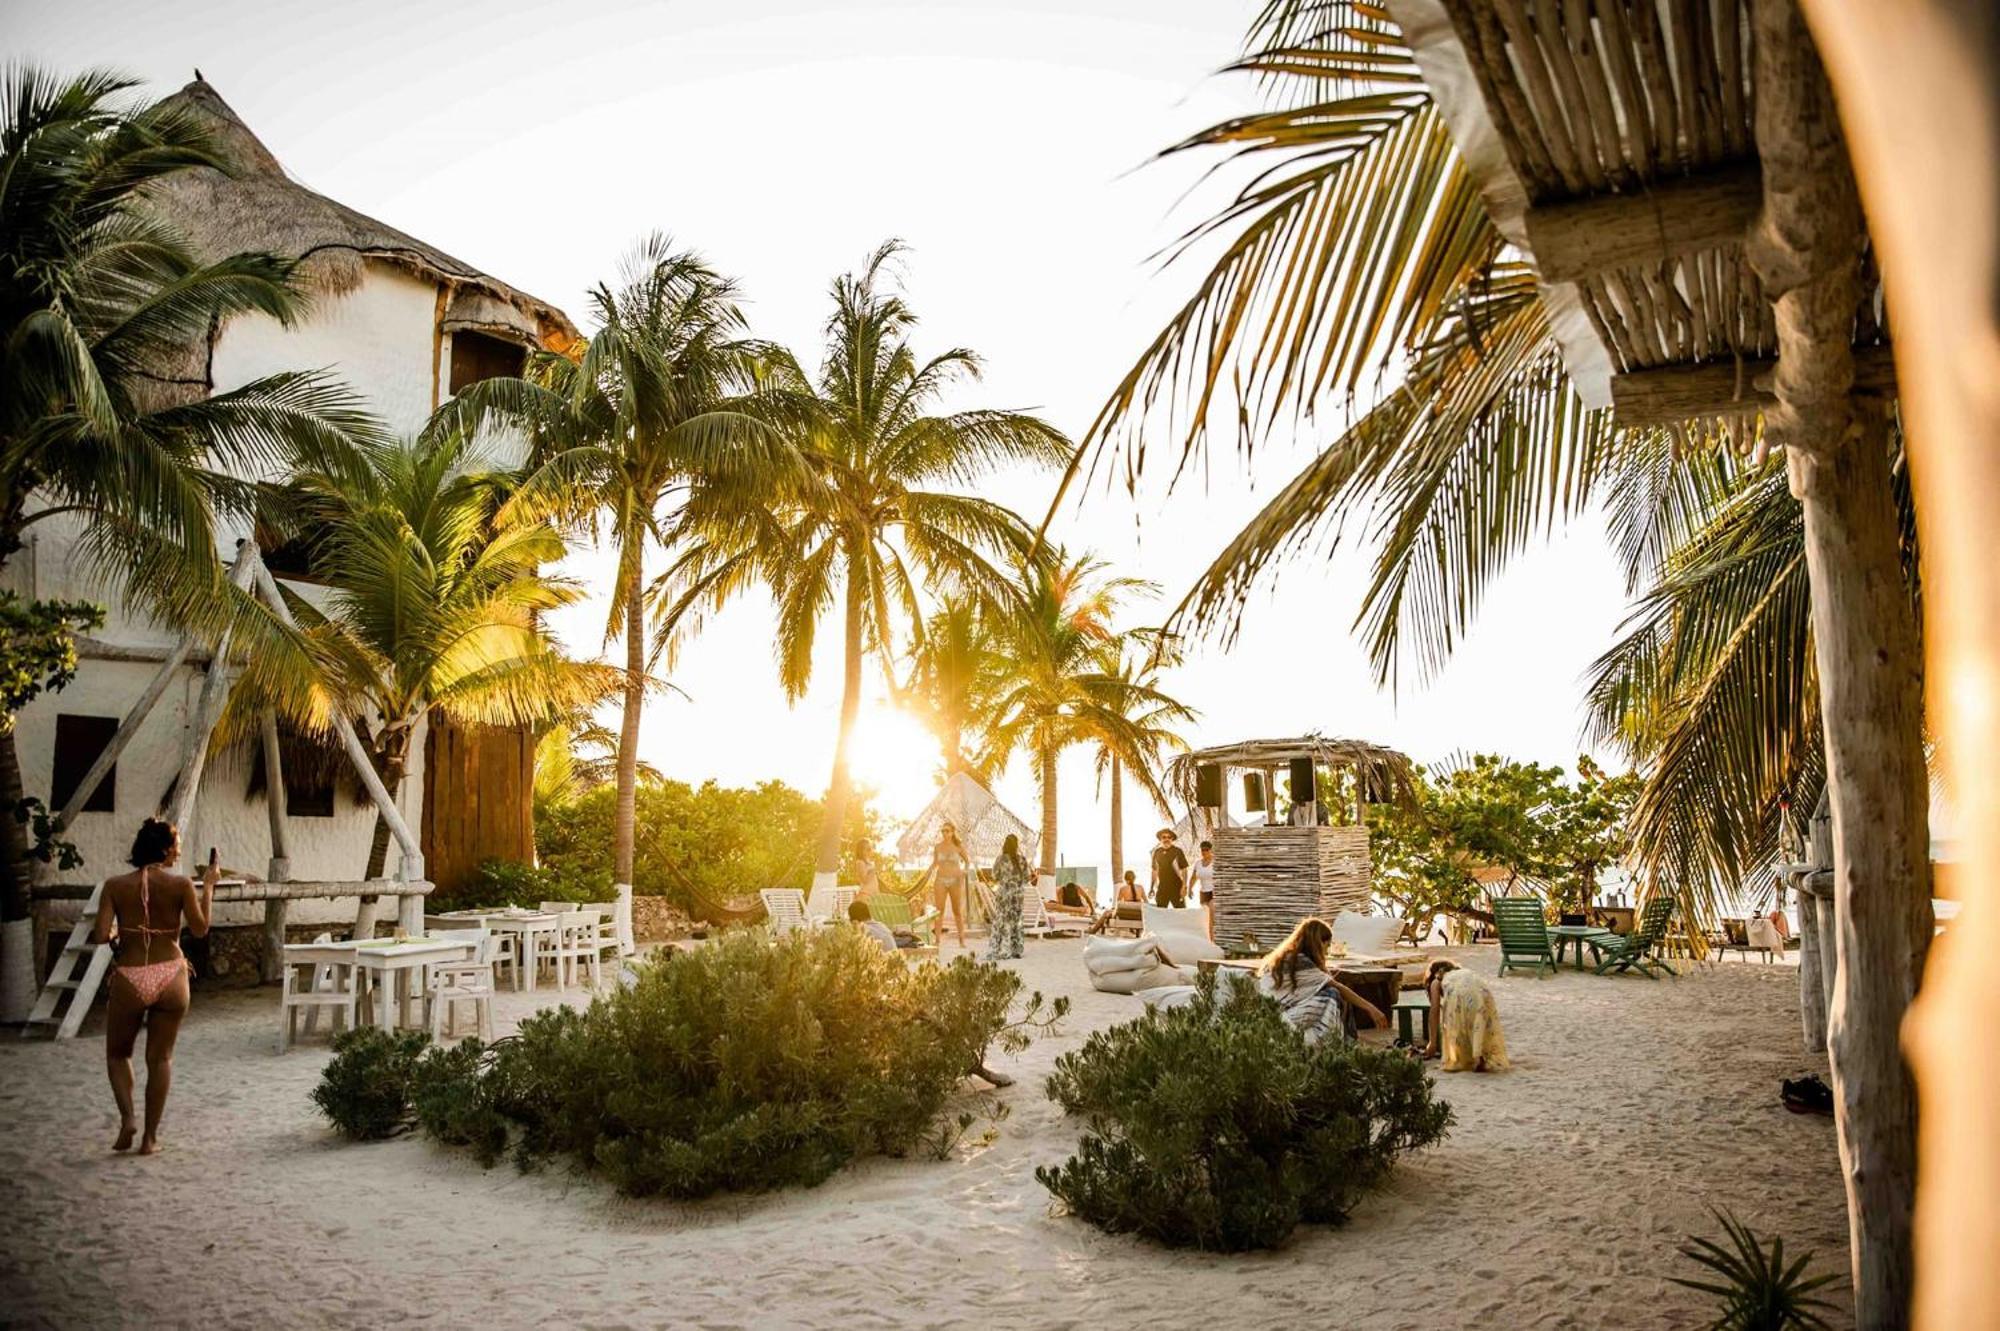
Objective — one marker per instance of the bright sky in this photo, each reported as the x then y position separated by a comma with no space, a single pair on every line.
1008,143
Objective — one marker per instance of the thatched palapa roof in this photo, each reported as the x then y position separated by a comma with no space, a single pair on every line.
256,206
1379,768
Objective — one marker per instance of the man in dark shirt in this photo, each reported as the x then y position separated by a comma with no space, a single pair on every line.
1170,864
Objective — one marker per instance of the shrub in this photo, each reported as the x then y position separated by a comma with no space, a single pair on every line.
754,1063
365,1089
1755,1289
697,846
511,883
1216,1126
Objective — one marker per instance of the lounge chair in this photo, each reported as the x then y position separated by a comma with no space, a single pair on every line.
1039,920
894,911
1524,934
787,908
1621,952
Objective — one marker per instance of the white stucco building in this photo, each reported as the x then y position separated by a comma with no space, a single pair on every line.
404,324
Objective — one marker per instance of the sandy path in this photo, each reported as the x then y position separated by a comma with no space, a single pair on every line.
1556,1202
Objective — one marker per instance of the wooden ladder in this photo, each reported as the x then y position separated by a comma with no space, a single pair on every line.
93,959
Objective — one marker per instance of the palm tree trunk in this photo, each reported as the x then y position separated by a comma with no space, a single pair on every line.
1048,762
1117,822
1871,689
20,971
390,766
839,790
626,827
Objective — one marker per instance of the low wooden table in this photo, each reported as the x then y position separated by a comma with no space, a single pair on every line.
1409,1004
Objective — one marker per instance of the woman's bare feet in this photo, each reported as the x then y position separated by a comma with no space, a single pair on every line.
150,1146
126,1131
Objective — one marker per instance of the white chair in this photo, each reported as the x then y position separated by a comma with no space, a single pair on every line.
1763,936
455,982
828,904
607,927
575,946
1038,921
327,985
787,908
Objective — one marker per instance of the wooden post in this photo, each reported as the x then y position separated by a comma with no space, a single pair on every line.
411,866
1919,87
1806,250
208,710
280,869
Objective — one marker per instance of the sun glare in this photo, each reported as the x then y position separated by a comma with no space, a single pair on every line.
895,756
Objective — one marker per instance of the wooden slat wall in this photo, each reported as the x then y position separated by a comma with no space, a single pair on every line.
1270,878
479,786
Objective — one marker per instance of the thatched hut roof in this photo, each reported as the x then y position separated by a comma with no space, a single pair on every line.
1380,769
256,206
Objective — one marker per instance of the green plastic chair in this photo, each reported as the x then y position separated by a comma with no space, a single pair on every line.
894,911
1524,934
1622,952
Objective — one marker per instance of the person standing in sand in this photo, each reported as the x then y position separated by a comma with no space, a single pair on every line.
949,864
1010,880
140,914
1170,864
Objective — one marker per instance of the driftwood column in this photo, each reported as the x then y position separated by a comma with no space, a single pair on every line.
1807,250
1919,89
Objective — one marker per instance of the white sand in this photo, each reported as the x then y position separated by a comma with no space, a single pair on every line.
1557,1201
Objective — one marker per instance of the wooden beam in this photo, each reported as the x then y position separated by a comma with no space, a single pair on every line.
1584,237
1676,393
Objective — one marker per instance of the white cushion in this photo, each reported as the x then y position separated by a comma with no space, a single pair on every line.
1367,935
1168,996
1101,948
1120,964
1132,982
1182,934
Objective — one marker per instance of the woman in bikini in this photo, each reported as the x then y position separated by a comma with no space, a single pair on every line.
949,864
140,915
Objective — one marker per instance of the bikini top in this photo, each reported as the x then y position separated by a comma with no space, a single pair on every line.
146,911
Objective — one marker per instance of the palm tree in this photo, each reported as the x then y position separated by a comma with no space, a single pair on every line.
1368,244
1153,719
660,403
99,300
1363,250
576,756
866,525
1069,683
957,672
433,598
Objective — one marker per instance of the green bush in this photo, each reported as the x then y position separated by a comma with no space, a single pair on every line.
753,1063
365,1089
697,846
1217,1126
511,883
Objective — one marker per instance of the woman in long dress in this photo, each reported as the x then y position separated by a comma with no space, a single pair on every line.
949,865
1295,973
1465,1021
1010,879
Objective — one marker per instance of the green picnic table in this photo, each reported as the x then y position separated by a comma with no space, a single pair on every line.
1575,935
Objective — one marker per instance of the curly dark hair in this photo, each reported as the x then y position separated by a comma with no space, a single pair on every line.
155,840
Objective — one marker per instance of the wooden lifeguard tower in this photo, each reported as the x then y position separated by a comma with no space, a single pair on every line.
1302,854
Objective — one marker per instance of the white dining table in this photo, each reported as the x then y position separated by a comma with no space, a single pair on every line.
389,962
526,926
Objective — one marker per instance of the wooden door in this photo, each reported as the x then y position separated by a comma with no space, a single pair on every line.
479,784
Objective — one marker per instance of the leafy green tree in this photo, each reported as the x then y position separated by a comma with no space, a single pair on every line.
957,672
1153,723
99,299
1492,824
875,519
433,594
